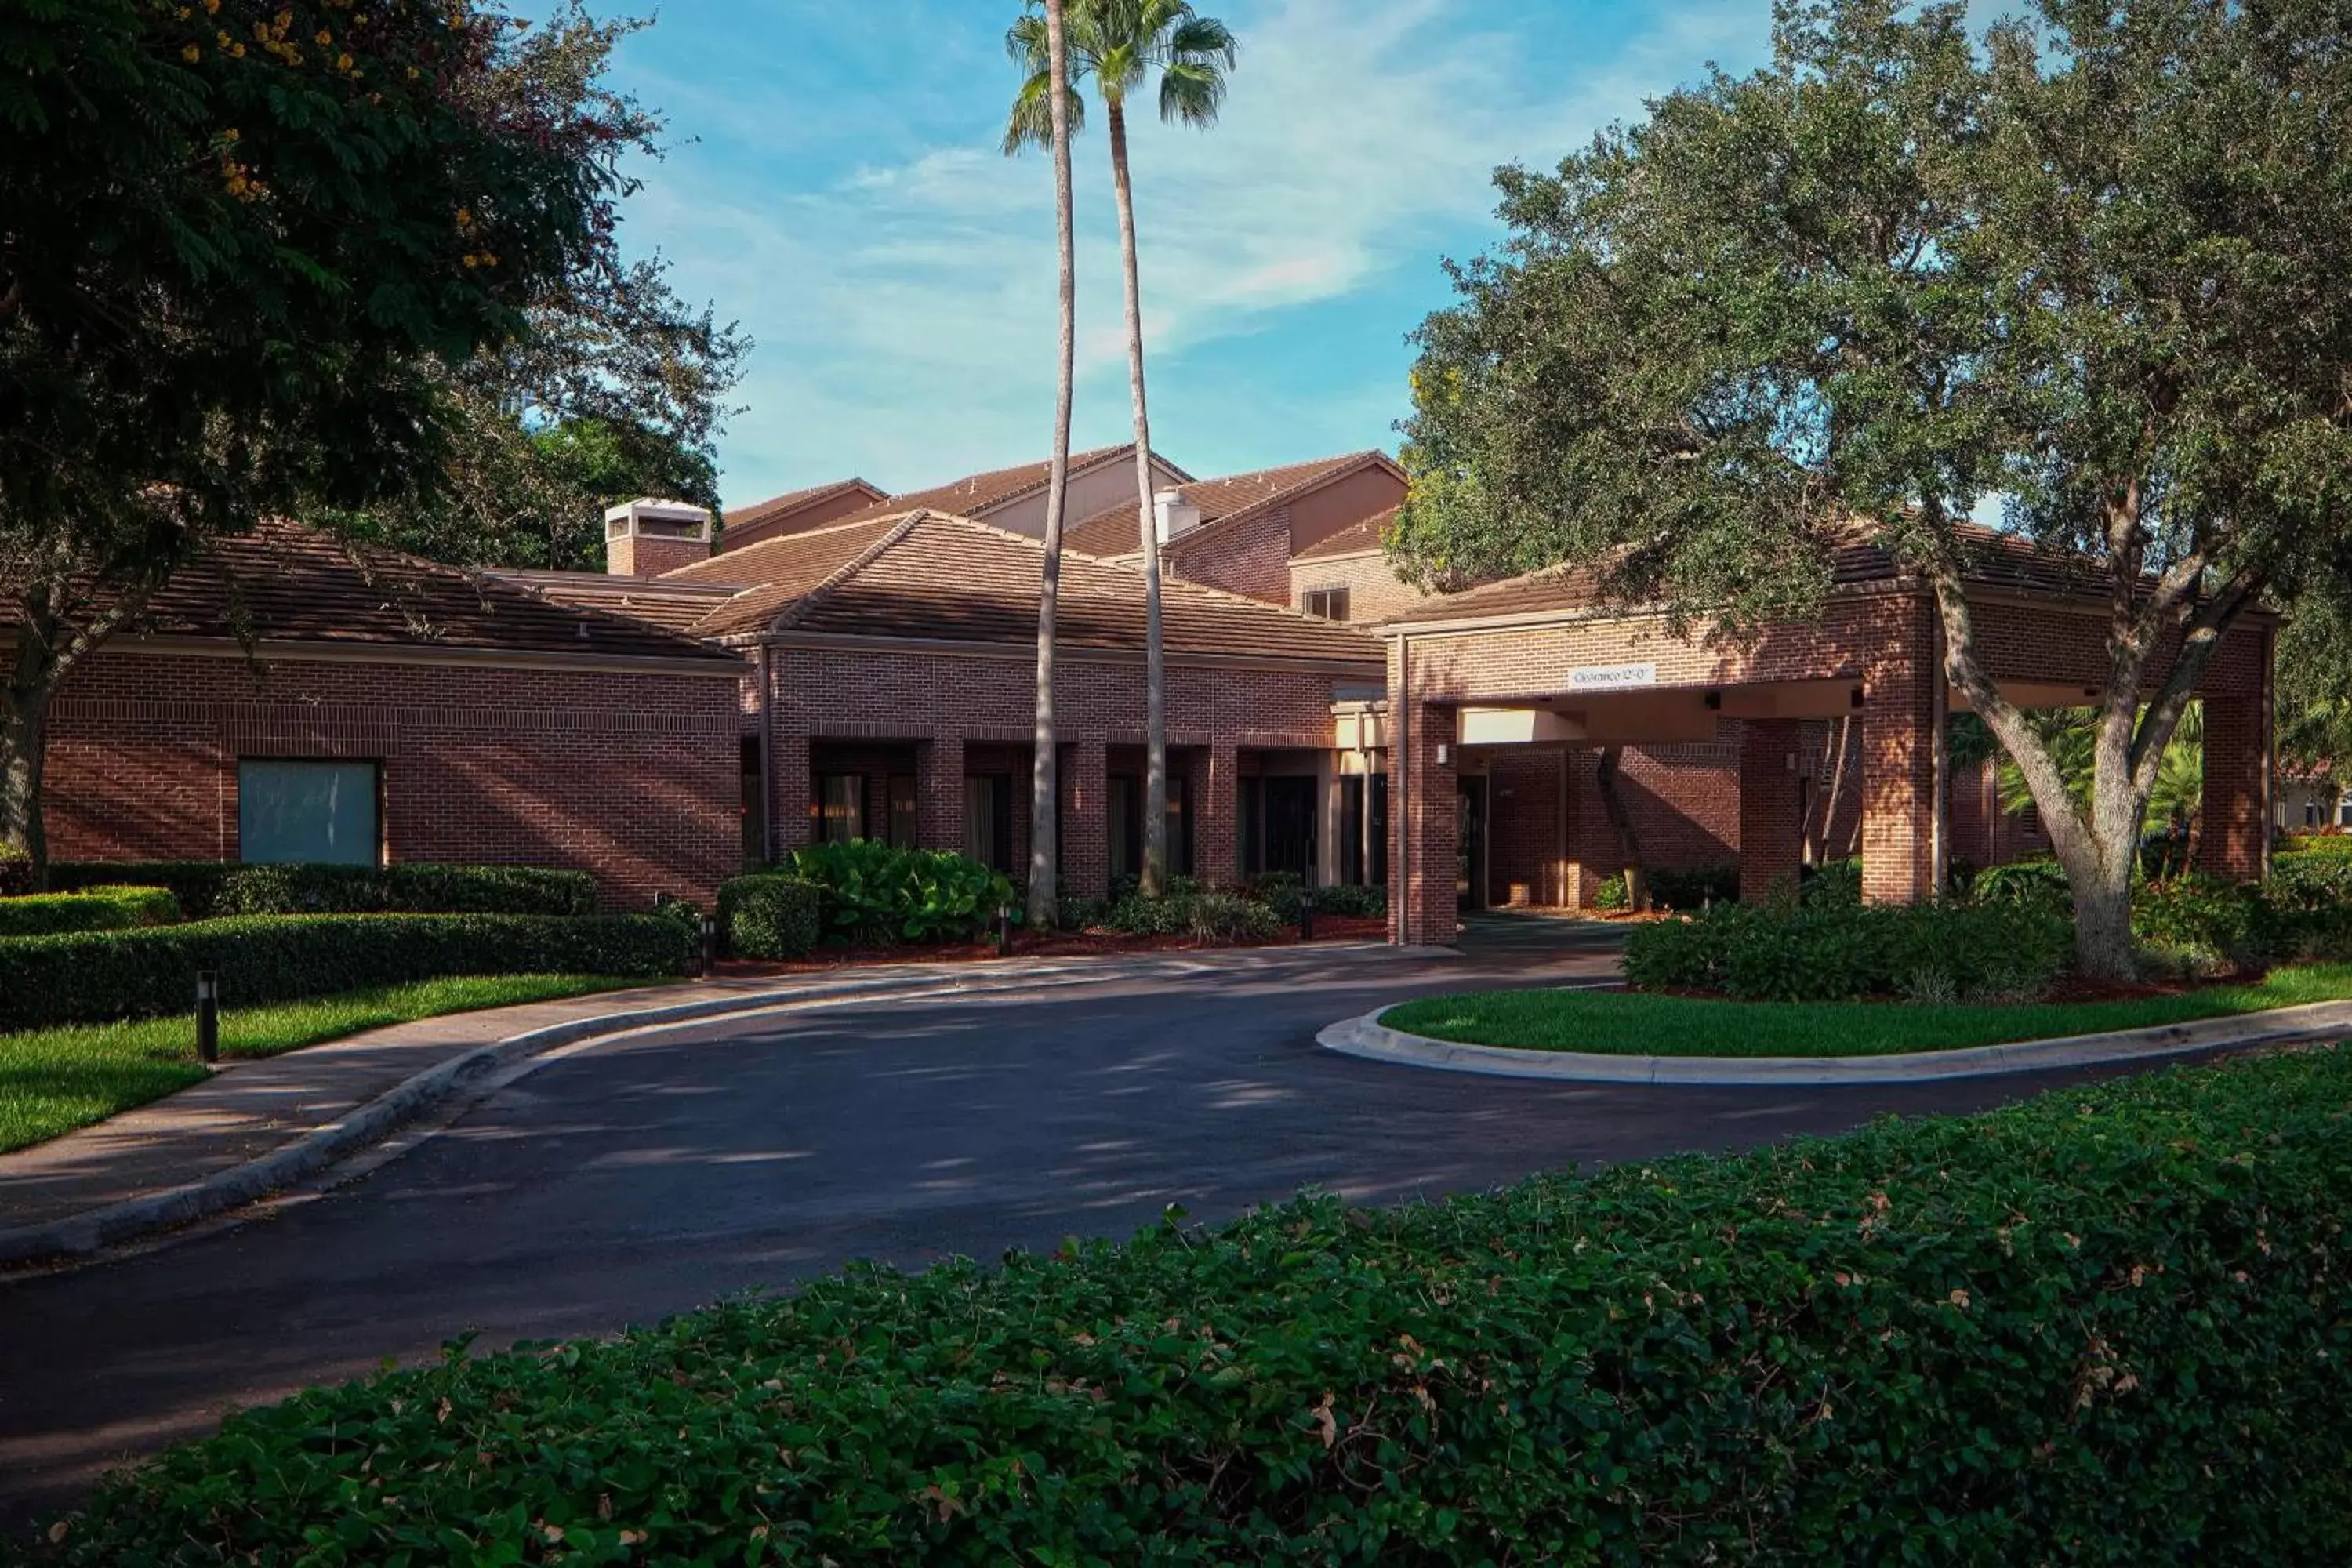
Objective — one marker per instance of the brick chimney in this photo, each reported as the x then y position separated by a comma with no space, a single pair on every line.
646,537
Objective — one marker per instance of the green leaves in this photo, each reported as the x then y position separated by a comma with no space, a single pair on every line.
877,893
2103,1326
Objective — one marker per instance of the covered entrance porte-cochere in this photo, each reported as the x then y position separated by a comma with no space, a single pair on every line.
1487,683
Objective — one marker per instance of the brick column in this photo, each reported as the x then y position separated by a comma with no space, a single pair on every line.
1213,785
788,792
939,793
1902,701
1424,861
2233,827
1771,837
1086,820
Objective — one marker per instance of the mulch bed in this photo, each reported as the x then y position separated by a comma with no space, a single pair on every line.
1050,945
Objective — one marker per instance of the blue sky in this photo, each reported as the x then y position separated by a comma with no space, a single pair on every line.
838,189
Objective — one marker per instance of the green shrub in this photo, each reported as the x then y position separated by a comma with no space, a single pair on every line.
94,909
15,872
877,893
1352,898
209,889
2196,923
2337,844
1693,887
2104,1326
1829,951
91,975
2304,910
2041,884
1074,913
1139,916
1230,917
1614,895
768,915
1836,882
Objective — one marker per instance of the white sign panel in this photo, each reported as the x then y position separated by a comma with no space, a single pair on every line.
1612,677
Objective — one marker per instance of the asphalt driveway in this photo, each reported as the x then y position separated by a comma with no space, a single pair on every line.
650,1176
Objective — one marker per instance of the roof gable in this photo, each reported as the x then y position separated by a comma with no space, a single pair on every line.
1223,502
943,578
797,510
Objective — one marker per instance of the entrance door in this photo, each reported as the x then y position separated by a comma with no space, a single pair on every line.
1470,843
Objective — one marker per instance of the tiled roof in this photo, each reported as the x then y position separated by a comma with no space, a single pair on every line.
284,582
1994,560
777,514
979,492
925,575
675,606
1119,533
770,574
1356,539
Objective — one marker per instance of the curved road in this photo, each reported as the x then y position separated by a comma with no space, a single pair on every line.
652,1174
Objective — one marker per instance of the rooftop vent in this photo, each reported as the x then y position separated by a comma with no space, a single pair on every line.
1172,515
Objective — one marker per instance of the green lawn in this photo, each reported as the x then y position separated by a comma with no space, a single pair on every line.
54,1080
1623,1022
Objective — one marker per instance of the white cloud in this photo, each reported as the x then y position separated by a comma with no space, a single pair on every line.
905,313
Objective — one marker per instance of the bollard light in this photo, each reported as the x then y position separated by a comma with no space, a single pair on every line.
1306,914
1004,930
207,1016
709,943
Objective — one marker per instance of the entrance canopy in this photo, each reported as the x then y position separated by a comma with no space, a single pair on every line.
1543,662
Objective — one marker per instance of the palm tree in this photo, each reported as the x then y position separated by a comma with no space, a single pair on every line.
1119,44
1043,777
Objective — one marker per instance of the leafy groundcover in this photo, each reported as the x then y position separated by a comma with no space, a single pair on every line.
2109,1325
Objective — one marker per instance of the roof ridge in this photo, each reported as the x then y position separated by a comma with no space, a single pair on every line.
847,569
674,574
1337,467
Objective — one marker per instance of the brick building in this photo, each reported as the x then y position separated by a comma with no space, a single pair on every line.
1500,695
889,694
287,698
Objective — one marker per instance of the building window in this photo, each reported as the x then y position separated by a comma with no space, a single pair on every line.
309,811
1124,804
840,807
988,819
1354,832
1331,603
2343,812
906,811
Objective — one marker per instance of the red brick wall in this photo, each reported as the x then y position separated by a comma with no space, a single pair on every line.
1252,558
1373,592
635,557
630,775
985,703
1524,863
1771,836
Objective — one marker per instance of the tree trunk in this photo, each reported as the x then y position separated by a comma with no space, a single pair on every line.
1044,779
1155,666
24,745
2099,845
1621,821
1839,752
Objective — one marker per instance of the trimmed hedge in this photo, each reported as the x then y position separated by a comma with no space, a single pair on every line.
768,915
94,909
2105,1326
1829,951
209,889
93,976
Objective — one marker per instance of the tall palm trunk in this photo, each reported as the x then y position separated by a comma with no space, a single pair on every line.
1155,662
1045,776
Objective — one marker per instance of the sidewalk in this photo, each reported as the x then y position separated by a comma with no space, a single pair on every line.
259,1125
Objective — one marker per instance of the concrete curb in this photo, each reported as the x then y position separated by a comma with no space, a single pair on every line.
94,1230
1368,1037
